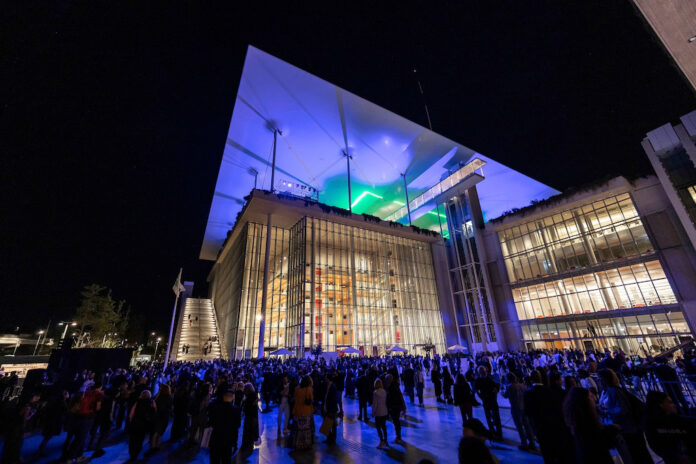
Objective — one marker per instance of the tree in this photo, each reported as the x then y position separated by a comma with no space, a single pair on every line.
98,315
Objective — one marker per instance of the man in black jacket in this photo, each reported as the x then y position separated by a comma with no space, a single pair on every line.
409,377
364,394
544,408
225,419
487,390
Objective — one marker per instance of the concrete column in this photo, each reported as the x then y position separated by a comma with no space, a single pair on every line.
264,291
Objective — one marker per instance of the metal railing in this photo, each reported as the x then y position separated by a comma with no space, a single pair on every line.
447,183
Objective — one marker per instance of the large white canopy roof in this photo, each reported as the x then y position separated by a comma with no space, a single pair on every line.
319,122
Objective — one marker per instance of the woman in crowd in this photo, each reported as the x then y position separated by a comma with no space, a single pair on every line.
302,414
380,413
163,403
623,411
463,397
396,407
592,439
180,406
671,436
447,382
250,409
141,420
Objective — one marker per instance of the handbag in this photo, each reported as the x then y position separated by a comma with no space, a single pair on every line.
205,439
326,425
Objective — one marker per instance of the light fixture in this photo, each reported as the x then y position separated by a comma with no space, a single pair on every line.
692,39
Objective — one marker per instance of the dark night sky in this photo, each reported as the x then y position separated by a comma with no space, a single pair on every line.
113,119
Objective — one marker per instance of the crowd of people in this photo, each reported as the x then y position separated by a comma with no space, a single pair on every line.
569,406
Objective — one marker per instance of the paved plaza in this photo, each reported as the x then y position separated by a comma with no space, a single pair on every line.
430,432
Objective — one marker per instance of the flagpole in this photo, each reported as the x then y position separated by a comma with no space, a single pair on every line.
171,326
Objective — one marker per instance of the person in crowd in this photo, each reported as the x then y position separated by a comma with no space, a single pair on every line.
487,389
180,412
380,413
89,406
225,418
101,430
164,404
514,392
250,408
284,394
14,419
544,408
436,379
592,440
671,436
54,415
302,411
472,449
396,407
364,395
409,380
420,384
330,408
626,411
142,419
267,389
447,382
426,365
198,413
463,397
669,379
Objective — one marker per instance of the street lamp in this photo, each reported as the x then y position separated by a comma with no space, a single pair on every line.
66,324
16,346
159,339
39,333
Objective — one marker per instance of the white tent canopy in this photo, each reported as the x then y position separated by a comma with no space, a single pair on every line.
281,352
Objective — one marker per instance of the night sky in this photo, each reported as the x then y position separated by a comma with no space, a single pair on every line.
113,119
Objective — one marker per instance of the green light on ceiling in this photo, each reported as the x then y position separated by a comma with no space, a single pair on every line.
362,195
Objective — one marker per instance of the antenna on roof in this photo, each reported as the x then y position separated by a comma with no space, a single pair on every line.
420,88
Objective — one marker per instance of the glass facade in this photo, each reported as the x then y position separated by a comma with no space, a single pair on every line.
248,328
468,281
600,232
334,285
635,286
588,277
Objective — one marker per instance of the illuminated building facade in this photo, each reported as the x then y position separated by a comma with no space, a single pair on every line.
605,269
380,233
335,280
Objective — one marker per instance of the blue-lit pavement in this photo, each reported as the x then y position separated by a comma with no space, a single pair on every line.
430,432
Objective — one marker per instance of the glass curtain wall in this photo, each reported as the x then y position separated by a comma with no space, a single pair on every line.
363,289
276,298
614,292
600,232
635,286
468,281
643,333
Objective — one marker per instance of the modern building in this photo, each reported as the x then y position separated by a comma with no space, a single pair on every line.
332,278
338,223
606,267
350,249
674,25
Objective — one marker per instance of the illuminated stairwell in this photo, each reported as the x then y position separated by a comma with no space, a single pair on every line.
197,326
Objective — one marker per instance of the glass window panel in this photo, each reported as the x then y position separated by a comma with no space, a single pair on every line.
679,325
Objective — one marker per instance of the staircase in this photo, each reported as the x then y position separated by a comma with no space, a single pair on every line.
198,325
